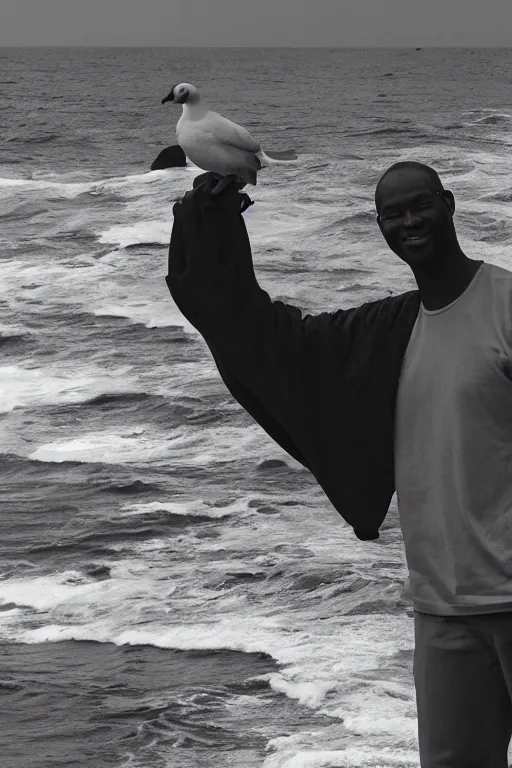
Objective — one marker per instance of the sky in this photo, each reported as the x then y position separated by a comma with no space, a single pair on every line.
333,23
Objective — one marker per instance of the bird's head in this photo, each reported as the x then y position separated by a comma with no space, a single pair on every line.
183,93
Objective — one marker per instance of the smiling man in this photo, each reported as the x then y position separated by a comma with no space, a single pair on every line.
413,393
415,216
453,474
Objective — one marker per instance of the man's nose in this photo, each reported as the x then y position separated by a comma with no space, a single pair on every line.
408,216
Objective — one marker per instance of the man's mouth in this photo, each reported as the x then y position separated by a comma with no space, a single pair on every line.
414,239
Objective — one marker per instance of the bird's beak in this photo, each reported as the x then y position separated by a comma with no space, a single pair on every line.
169,97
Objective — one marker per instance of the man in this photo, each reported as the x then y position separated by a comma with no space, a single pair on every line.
453,473
412,393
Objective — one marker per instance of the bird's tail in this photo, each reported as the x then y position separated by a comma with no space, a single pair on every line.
285,156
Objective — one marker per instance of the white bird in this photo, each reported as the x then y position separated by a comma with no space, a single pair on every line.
214,143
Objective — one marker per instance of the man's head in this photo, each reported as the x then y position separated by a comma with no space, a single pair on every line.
415,214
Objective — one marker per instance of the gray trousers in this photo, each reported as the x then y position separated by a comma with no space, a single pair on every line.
463,678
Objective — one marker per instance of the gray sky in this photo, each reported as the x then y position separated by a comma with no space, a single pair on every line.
257,22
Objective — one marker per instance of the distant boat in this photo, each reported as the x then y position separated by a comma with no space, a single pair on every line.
419,49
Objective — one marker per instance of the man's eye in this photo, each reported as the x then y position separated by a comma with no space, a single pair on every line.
395,214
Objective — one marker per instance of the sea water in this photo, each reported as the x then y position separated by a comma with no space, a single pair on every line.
168,595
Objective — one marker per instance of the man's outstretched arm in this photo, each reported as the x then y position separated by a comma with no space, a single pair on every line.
254,341
323,387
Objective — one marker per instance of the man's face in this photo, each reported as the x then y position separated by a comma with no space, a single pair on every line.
416,222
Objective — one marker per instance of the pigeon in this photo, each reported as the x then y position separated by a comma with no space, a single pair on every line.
213,142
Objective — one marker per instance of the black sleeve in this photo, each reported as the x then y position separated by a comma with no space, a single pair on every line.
322,386
261,347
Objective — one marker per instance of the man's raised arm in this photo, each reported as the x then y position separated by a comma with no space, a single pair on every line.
255,342
323,387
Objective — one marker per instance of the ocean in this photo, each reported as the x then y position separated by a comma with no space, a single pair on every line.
175,590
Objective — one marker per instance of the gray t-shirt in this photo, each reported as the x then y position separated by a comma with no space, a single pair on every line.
453,451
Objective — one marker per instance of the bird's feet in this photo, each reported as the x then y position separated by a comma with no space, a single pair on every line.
225,181
221,183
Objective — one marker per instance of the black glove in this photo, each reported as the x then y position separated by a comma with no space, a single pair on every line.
230,194
210,249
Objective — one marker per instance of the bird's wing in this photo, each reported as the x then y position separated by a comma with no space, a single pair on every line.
229,133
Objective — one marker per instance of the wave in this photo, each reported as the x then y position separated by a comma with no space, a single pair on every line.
81,236
193,446
131,325
23,212
131,489
196,510
15,340
155,232
112,533
358,218
500,197
495,119
343,676
74,183
391,131
333,659
44,138
12,462
147,245
90,390
66,189
118,397
30,387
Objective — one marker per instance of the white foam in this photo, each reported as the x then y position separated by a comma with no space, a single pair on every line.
14,329
332,663
46,592
156,314
310,694
152,231
193,508
345,758
306,657
117,284
65,190
161,597
23,386
185,446
67,184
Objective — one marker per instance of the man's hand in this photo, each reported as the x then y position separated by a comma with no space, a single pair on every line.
230,196
210,249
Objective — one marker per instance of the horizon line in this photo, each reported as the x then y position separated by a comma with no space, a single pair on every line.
244,47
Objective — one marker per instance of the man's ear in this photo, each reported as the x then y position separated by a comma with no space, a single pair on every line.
449,199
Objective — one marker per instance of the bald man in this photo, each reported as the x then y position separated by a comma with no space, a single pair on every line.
453,474
413,393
